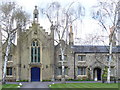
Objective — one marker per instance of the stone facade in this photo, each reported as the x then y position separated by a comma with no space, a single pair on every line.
46,53
20,56
87,62
36,58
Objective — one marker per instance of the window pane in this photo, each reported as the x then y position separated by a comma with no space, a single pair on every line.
107,57
60,71
84,71
81,57
33,44
31,54
35,58
81,71
35,50
66,71
60,57
38,54
9,70
36,43
65,57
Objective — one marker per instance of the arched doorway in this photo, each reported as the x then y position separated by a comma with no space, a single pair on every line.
35,74
97,74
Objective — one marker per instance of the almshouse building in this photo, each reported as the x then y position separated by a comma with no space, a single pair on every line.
36,58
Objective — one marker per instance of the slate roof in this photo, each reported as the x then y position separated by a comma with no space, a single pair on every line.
94,49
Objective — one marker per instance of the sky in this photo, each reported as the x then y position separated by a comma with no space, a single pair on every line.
88,26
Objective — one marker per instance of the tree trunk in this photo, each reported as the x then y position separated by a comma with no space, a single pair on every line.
109,66
6,58
0,56
62,62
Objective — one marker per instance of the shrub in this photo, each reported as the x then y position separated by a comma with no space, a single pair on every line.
104,75
46,80
22,81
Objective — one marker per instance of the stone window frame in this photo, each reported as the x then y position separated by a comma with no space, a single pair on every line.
84,71
60,70
107,57
83,57
9,71
35,51
60,58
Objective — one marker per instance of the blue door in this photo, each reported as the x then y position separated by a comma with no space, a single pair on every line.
35,74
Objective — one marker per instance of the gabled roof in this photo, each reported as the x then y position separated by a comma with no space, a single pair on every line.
94,49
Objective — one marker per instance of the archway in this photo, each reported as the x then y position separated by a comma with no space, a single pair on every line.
35,74
97,73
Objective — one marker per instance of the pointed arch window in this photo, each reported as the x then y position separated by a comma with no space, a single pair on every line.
35,52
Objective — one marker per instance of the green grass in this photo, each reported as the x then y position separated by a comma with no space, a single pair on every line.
10,86
84,85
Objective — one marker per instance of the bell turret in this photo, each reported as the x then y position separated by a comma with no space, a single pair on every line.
35,15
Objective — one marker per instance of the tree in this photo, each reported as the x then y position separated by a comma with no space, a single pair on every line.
13,18
62,18
0,55
106,13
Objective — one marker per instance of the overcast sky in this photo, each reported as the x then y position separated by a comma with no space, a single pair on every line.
88,25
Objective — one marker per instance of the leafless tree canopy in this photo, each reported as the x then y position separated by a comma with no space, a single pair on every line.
63,17
11,15
106,12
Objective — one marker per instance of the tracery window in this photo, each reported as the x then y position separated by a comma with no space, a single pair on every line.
35,51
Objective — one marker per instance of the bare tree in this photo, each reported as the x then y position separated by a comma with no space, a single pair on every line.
0,55
13,18
106,13
61,18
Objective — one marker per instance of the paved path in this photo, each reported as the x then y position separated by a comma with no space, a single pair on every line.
36,85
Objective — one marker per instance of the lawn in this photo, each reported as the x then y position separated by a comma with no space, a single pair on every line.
9,86
84,85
